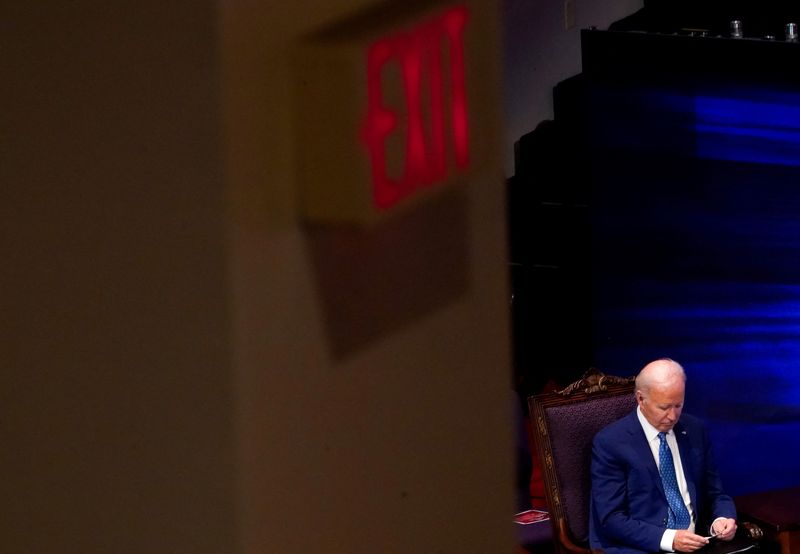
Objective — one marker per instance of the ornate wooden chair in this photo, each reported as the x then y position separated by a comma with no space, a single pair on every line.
564,423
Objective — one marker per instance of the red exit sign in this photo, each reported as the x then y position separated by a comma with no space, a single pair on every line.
430,60
384,112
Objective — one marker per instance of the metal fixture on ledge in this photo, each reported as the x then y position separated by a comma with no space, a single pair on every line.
791,32
736,29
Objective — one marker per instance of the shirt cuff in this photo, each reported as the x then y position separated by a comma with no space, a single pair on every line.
711,529
667,539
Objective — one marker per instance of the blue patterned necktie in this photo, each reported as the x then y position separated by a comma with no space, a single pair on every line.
679,517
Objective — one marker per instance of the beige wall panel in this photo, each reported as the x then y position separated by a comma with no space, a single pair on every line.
403,443
115,388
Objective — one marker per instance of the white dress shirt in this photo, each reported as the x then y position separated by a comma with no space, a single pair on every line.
652,439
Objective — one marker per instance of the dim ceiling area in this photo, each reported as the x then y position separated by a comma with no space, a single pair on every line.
758,19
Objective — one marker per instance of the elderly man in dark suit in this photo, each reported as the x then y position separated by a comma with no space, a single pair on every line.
655,486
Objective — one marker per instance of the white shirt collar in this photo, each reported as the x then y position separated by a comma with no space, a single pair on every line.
649,431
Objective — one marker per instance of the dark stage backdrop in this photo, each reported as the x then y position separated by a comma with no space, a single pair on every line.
696,256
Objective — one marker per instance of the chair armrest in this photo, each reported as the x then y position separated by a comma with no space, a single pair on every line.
565,541
751,530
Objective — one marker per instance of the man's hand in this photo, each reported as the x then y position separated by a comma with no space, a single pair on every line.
685,541
724,528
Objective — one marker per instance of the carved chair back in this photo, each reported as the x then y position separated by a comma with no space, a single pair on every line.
564,423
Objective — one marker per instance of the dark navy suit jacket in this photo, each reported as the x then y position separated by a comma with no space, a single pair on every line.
628,505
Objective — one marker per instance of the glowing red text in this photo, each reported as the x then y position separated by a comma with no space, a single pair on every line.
427,85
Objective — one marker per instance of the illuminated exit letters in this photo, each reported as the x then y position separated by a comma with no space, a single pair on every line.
430,58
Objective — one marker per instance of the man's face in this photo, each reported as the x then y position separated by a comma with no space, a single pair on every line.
662,406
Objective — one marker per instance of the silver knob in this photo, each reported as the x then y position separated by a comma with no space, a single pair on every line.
791,32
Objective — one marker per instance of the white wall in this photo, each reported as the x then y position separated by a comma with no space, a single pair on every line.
168,381
539,52
115,360
167,378
404,444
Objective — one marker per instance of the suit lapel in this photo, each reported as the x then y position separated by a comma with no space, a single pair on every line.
687,460
643,452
